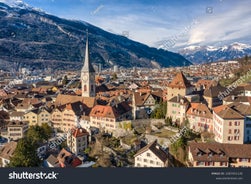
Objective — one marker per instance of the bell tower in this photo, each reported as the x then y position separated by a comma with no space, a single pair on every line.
88,75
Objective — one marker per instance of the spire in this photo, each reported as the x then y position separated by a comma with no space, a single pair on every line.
87,65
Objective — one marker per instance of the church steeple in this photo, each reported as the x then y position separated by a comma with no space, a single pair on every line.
88,75
87,65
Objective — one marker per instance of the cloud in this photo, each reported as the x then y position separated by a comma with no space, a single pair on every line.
228,25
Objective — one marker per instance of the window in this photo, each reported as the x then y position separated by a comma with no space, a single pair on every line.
229,131
85,88
138,165
151,162
92,88
145,160
230,123
148,154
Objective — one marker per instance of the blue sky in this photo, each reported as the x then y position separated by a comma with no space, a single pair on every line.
179,23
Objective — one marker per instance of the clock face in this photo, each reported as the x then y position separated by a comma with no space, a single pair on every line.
85,78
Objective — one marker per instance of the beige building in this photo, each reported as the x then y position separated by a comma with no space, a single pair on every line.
37,116
219,155
179,86
56,118
6,153
65,117
228,125
77,140
15,130
152,155
108,117
211,95
200,118
176,109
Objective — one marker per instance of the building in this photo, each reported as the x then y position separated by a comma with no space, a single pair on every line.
200,118
88,76
152,155
16,116
65,117
219,155
6,153
107,117
38,116
179,86
176,109
67,159
211,95
232,123
77,141
144,103
15,130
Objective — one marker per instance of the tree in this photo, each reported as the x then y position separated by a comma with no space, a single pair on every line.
37,134
25,154
47,130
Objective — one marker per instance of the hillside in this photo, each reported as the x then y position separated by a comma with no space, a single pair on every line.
30,37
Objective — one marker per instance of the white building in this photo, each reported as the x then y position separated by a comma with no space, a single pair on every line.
152,155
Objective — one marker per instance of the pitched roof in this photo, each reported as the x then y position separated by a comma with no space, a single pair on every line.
241,108
219,151
179,99
180,81
214,91
67,159
8,150
199,109
226,112
66,99
52,160
156,149
79,132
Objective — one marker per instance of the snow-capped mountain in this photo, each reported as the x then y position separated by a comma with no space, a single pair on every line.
204,54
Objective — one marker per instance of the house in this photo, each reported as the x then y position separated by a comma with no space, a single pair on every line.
67,159
211,95
108,117
200,117
15,130
6,153
16,116
31,117
143,104
219,155
237,99
232,123
176,108
152,155
179,86
52,161
56,117
77,140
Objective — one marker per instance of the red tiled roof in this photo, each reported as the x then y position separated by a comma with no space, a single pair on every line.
180,81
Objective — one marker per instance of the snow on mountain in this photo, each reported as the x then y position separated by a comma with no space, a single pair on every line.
204,54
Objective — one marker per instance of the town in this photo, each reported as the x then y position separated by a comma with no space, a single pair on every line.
191,116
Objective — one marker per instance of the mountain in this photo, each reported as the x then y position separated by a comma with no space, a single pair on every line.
31,37
204,54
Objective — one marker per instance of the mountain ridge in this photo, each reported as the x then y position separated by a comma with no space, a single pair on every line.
35,37
204,54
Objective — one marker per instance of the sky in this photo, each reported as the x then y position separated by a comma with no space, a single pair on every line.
171,24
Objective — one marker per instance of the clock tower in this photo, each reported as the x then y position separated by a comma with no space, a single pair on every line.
88,75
